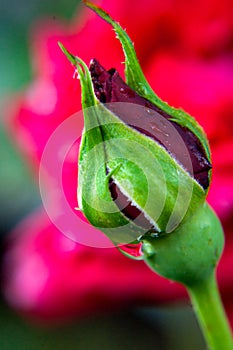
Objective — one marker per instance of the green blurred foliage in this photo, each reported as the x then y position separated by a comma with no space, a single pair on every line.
172,328
16,18
18,192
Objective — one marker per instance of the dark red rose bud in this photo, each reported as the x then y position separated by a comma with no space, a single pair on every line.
110,88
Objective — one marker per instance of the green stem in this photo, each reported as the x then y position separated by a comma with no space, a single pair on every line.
211,315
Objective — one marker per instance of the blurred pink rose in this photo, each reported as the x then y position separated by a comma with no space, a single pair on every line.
53,278
186,51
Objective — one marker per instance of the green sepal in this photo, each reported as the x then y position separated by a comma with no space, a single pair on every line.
137,81
148,175
94,196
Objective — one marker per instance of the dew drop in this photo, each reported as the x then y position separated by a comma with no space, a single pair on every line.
154,126
133,251
149,111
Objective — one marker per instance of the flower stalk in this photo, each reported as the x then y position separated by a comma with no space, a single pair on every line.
209,310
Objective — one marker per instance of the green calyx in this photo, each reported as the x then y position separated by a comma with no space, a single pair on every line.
142,169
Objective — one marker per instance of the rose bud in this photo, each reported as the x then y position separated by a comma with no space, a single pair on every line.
144,167
144,171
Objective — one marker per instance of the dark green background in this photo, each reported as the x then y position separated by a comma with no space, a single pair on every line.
145,328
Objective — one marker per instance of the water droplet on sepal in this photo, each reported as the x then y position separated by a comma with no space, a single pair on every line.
133,251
